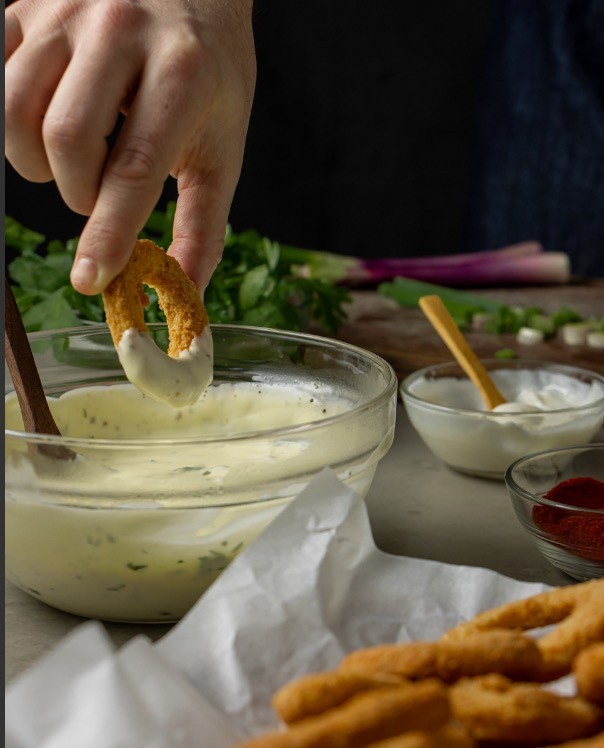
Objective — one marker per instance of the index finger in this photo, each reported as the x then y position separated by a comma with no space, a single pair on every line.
147,147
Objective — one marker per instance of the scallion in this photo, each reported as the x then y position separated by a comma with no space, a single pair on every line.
520,264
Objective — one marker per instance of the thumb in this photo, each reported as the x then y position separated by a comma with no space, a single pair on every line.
200,222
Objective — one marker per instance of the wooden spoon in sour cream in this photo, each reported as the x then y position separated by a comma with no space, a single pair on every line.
440,319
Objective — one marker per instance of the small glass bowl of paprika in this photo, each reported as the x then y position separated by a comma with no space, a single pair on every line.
558,496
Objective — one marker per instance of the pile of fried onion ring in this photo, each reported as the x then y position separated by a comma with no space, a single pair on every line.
487,682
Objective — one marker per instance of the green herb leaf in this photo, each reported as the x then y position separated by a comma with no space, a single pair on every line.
253,284
52,313
20,238
506,353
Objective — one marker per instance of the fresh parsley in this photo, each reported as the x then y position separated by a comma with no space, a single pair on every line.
255,283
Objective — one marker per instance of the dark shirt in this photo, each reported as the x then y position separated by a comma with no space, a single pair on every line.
537,166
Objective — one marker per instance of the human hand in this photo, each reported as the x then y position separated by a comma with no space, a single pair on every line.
182,71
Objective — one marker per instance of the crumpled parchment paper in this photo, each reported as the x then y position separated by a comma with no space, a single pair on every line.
312,587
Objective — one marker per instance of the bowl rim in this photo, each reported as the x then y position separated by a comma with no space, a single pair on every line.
389,391
517,490
509,364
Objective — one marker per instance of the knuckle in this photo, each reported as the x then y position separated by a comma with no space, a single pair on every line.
136,161
64,134
119,16
184,56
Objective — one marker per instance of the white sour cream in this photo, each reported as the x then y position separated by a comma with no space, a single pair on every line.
138,532
176,381
534,390
540,413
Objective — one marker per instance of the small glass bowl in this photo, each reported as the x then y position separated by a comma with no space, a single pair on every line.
448,413
136,528
570,537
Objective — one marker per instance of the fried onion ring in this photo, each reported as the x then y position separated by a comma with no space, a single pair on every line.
318,692
510,653
588,668
596,742
493,707
449,736
180,377
577,609
366,718
413,660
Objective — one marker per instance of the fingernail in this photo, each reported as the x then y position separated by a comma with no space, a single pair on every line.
85,275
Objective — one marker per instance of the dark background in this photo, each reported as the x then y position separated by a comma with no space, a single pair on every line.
362,123
415,128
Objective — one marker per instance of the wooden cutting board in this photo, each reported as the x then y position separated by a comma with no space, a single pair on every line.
407,341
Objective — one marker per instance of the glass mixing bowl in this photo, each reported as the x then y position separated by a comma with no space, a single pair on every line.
158,501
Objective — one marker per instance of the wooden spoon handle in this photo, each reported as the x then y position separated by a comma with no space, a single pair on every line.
37,417
437,313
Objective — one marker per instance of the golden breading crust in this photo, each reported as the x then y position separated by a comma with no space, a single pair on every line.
510,653
588,668
596,742
410,659
577,609
449,736
366,718
493,707
318,692
178,297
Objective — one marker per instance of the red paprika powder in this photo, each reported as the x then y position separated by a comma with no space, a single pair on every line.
581,533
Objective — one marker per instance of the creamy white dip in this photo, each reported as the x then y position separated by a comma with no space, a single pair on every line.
137,531
540,413
533,390
177,381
